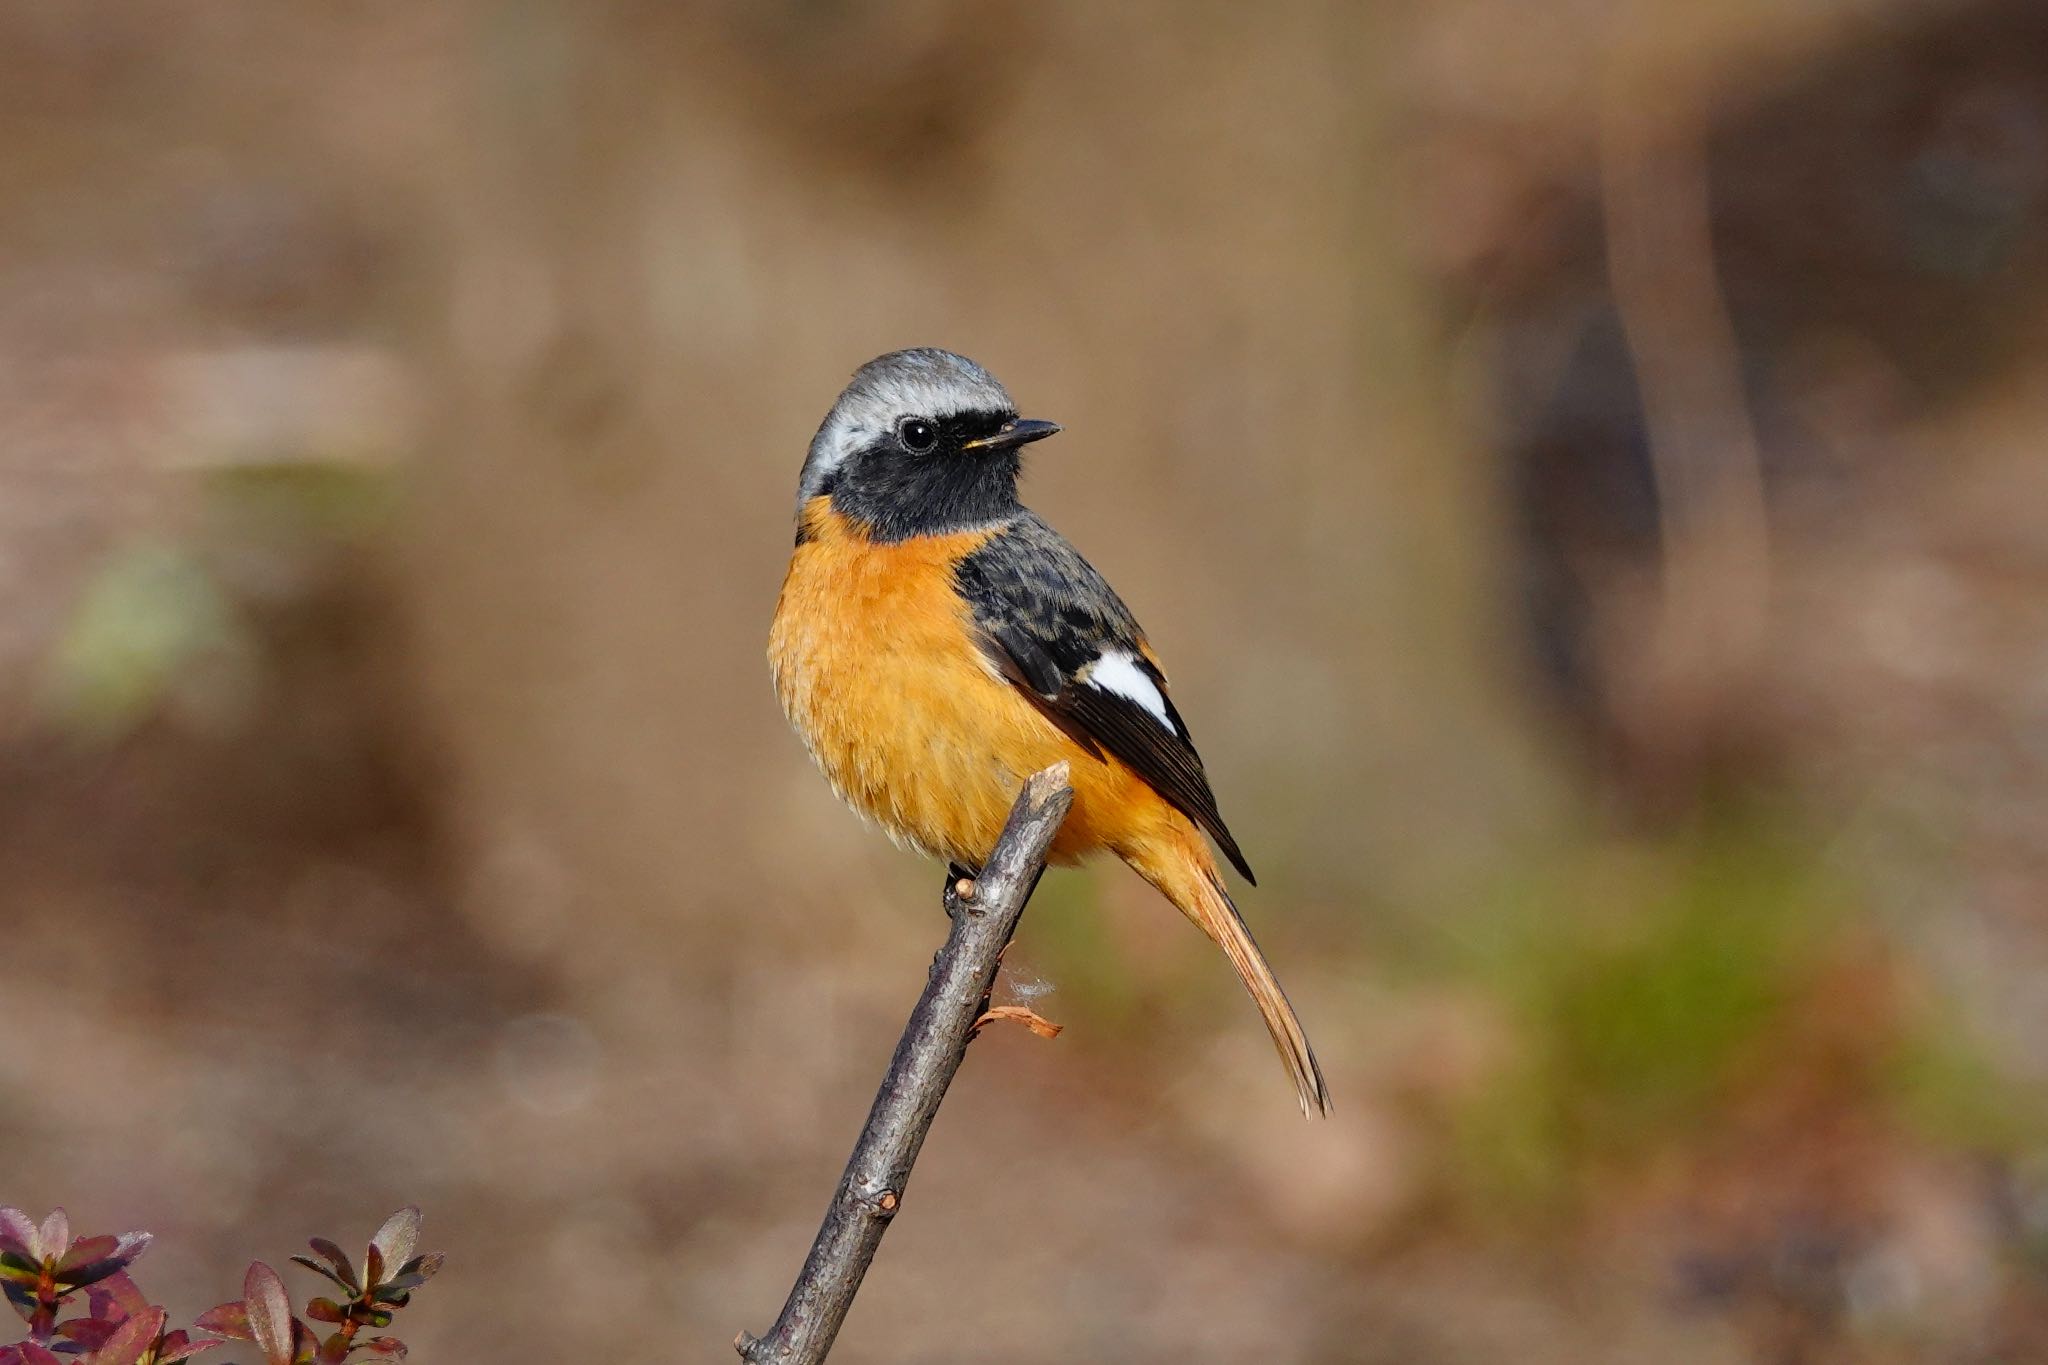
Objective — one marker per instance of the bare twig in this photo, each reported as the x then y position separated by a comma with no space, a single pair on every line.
935,1040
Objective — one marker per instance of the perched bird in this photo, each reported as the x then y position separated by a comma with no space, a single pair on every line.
936,643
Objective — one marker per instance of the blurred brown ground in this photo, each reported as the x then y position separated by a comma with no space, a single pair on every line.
1583,463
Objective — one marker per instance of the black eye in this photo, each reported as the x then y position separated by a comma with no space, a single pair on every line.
918,434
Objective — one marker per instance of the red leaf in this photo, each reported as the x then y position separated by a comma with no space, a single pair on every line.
399,1237
116,1297
373,1266
17,1233
385,1346
270,1313
325,1271
91,1333
419,1270
228,1319
338,1258
87,1249
53,1236
326,1310
182,1345
131,1339
28,1353
95,1258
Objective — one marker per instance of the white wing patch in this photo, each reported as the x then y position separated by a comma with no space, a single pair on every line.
1117,671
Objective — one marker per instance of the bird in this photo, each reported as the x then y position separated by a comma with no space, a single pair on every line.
936,642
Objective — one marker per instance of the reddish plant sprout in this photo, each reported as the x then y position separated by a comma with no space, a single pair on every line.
117,1305
43,1271
392,1269
41,1267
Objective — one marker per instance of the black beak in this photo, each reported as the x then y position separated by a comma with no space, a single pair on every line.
1018,431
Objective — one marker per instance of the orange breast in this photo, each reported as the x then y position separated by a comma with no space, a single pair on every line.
876,665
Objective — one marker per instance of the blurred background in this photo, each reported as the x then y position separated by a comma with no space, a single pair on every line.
1583,462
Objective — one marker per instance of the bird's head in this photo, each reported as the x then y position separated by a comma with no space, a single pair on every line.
921,442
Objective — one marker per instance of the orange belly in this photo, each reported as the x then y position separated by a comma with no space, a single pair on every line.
877,668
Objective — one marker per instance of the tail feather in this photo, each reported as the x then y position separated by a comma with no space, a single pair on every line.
1197,889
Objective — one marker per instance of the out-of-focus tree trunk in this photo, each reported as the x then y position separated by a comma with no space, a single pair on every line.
1176,247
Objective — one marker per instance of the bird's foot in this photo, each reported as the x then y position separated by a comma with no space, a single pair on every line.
1019,1014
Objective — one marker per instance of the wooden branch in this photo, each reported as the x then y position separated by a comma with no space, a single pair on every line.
934,1042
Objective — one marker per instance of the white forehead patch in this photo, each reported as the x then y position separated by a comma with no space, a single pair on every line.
1117,671
925,382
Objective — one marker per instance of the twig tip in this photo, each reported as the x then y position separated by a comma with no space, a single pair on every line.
1049,782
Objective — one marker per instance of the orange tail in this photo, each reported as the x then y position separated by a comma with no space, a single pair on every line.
1187,876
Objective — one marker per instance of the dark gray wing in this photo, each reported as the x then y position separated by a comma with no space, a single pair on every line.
1061,635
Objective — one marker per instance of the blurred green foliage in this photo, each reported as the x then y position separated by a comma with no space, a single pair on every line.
1645,984
160,612
1067,939
328,500
1946,1084
1636,979
151,612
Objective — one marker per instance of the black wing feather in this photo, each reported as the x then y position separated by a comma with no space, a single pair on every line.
1031,670
1045,615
